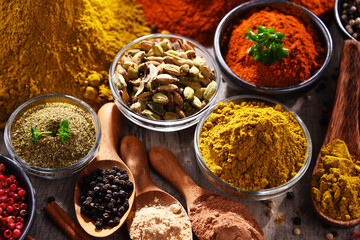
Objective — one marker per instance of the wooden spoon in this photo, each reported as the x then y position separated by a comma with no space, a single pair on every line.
111,123
344,122
167,165
133,152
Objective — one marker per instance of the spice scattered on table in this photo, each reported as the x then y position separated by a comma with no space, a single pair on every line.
165,79
251,145
49,150
296,231
269,213
279,219
305,49
297,221
13,208
329,236
290,195
159,222
218,217
336,182
104,196
270,204
350,16
62,47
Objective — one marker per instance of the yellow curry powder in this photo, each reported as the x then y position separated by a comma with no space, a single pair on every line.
336,183
66,46
252,146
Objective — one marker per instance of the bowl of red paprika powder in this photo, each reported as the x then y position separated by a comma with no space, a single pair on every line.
253,65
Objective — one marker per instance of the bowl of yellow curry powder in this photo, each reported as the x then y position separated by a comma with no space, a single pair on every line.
53,136
252,146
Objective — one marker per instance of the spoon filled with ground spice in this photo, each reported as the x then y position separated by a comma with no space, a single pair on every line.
104,191
212,216
336,176
157,215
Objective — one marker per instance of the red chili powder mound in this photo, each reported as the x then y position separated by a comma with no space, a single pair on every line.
215,217
305,51
198,19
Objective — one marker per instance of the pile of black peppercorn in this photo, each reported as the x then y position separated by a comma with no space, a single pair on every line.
104,196
350,17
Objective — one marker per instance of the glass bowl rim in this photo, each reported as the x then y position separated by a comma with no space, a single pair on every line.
257,3
53,172
188,121
273,192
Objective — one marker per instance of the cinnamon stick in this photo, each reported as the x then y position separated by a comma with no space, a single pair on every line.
65,222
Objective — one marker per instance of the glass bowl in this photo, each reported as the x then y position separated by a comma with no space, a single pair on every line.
221,39
24,182
263,194
337,7
52,173
163,125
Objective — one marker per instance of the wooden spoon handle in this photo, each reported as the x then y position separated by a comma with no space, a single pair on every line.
133,153
167,165
345,118
111,122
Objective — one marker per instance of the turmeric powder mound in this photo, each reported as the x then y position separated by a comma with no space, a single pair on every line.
336,183
62,47
252,146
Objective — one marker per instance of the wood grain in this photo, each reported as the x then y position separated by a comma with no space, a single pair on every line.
344,122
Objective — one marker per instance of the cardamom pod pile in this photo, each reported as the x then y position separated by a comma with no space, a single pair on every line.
164,79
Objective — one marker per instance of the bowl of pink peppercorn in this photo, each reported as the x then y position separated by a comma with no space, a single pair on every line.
17,201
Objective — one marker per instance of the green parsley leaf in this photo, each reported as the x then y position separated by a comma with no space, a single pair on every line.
268,47
64,131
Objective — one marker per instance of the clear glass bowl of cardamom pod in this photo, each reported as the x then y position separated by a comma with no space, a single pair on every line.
246,154
35,137
164,82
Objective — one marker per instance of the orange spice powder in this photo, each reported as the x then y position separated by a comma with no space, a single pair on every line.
305,51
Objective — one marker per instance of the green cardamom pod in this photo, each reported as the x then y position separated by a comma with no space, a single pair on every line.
210,90
189,93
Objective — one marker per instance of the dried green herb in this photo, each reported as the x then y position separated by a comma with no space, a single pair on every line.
270,40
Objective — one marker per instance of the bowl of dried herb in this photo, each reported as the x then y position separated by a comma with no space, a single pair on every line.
164,82
273,48
53,136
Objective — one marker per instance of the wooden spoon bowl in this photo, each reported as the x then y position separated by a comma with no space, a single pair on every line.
344,122
111,123
133,152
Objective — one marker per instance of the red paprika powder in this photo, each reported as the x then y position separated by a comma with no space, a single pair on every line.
305,50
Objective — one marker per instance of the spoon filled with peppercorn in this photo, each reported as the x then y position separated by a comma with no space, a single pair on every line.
104,192
133,152
343,125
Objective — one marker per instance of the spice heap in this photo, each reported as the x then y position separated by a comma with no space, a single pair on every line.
305,50
160,222
218,217
166,79
252,146
336,183
62,47
350,17
104,196
49,150
199,19
12,205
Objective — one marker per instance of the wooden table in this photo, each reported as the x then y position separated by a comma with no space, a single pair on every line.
312,111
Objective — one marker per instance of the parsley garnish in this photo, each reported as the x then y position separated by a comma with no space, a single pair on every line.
271,40
63,131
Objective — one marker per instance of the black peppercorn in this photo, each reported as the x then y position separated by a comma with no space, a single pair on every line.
154,29
290,195
297,220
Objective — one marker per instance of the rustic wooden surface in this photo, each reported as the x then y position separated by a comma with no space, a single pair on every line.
181,143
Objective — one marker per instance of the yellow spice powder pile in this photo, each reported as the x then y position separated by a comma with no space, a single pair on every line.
64,46
336,183
252,146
